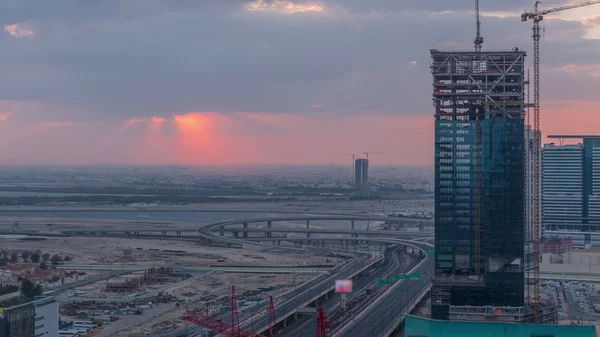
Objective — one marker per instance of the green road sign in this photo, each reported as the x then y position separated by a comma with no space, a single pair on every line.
407,276
429,251
414,276
386,282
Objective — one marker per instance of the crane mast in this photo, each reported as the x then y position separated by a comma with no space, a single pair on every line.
537,16
479,113
478,39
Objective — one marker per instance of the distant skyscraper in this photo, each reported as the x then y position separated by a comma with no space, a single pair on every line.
485,86
361,173
562,186
571,190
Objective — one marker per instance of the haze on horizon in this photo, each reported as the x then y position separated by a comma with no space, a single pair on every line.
261,81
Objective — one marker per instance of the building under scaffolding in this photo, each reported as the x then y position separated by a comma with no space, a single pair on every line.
151,276
479,183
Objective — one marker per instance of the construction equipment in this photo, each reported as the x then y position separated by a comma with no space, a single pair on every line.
272,319
366,153
478,39
353,168
219,326
478,158
322,323
537,16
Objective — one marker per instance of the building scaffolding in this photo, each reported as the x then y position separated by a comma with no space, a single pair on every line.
479,118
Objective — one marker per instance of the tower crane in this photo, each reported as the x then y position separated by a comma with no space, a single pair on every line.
478,39
478,161
537,16
366,153
353,168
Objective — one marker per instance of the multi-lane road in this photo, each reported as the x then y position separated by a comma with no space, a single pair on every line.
395,261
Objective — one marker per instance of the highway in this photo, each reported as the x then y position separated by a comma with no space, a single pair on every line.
305,295
384,315
394,262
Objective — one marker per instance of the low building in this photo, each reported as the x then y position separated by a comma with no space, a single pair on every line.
12,272
21,270
425,327
574,264
36,318
558,246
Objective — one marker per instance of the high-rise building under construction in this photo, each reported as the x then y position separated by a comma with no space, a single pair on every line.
479,184
361,173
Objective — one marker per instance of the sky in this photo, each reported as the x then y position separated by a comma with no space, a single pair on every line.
187,82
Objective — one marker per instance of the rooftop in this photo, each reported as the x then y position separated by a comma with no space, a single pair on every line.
17,267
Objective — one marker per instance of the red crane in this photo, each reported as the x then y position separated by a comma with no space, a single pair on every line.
322,323
272,319
217,325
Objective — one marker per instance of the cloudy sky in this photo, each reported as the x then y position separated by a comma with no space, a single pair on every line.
259,81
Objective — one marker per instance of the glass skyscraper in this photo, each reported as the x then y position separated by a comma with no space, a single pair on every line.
478,180
571,189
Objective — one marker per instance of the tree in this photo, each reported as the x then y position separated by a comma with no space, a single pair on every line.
25,256
55,259
67,258
14,257
45,257
27,288
35,257
43,265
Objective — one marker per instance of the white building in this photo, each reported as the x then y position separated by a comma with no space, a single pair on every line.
38,318
46,317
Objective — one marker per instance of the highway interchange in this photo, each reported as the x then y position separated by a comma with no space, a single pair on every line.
381,316
377,316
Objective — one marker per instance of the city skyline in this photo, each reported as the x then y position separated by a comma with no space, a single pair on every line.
318,80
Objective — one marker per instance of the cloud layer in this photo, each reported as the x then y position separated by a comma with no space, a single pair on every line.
111,68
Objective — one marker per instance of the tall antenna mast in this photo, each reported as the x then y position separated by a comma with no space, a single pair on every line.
478,39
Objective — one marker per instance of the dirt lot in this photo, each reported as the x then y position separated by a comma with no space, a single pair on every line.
214,292
102,250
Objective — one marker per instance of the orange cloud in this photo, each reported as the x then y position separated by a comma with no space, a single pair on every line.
569,117
18,30
590,69
134,121
4,116
279,6
592,20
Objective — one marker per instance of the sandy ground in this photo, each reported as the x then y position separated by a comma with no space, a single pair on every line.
213,293
102,250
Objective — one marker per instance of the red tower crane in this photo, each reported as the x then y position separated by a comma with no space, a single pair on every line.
272,319
322,323
218,325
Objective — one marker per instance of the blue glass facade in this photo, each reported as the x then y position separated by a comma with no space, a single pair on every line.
478,91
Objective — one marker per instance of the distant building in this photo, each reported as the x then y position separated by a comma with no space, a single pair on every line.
36,318
571,189
361,173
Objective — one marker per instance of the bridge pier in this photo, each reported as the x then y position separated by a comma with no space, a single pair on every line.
307,227
269,225
178,233
236,234
352,224
222,230
245,224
